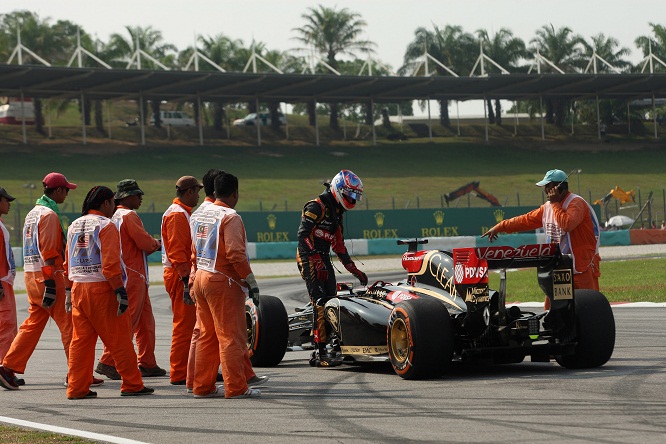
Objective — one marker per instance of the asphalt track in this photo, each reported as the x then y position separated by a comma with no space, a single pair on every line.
623,401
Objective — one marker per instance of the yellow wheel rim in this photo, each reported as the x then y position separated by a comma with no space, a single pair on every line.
249,325
399,341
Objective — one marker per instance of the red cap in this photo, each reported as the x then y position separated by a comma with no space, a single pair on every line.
57,180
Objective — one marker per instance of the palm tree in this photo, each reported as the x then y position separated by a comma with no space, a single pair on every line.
657,42
506,50
451,46
608,48
333,33
564,49
149,40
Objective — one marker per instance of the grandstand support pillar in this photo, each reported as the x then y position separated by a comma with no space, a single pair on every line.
515,117
83,117
228,122
598,118
429,122
372,113
286,121
257,121
142,120
23,130
316,123
628,119
108,115
458,116
654,117
543,131
485,117
201,140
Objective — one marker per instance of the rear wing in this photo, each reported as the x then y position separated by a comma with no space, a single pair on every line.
525,256
554,272
472,264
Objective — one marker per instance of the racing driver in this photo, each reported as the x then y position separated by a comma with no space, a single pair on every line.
320,231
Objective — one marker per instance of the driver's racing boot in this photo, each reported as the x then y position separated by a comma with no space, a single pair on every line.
321,358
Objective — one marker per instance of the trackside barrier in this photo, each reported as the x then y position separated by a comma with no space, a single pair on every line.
382,247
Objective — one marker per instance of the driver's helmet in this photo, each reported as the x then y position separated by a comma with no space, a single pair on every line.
347,189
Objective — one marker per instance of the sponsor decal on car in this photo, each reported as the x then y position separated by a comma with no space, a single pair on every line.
562,284
364,349
399,296
522,252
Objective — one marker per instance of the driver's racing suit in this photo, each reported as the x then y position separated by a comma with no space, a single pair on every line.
319,231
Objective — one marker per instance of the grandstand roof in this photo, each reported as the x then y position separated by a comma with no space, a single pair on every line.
100,83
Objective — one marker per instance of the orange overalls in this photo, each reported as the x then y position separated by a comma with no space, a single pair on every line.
577,230
176,258
41,224
96,272
221,298
8,322
196,332
136,243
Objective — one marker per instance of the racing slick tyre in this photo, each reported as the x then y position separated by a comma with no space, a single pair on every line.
420,339
267,331
595,331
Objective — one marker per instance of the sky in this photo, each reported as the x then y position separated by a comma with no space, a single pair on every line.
390,23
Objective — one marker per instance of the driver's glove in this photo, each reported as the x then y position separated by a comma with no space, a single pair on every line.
317,264
351,267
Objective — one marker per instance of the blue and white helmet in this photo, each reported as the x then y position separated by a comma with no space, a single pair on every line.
347,189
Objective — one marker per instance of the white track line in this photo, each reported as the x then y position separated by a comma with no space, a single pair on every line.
67,431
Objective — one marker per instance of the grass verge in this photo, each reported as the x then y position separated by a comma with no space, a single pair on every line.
16,435
634,280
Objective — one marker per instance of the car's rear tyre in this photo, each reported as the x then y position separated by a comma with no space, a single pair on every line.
595,331
267,331
420,339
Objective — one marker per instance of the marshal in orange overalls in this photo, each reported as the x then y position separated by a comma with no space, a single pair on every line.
95,311
220,299
176,259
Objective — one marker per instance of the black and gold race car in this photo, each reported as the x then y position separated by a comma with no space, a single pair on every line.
444,312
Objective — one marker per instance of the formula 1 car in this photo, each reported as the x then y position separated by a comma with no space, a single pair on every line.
445,312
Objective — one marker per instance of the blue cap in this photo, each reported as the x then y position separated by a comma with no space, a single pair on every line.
552,176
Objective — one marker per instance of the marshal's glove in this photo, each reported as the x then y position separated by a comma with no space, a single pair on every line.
187,299
317,264
49,293
351,267
49,297
121,295
253,288
68,300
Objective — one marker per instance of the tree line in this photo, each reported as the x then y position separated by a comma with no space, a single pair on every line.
336,36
